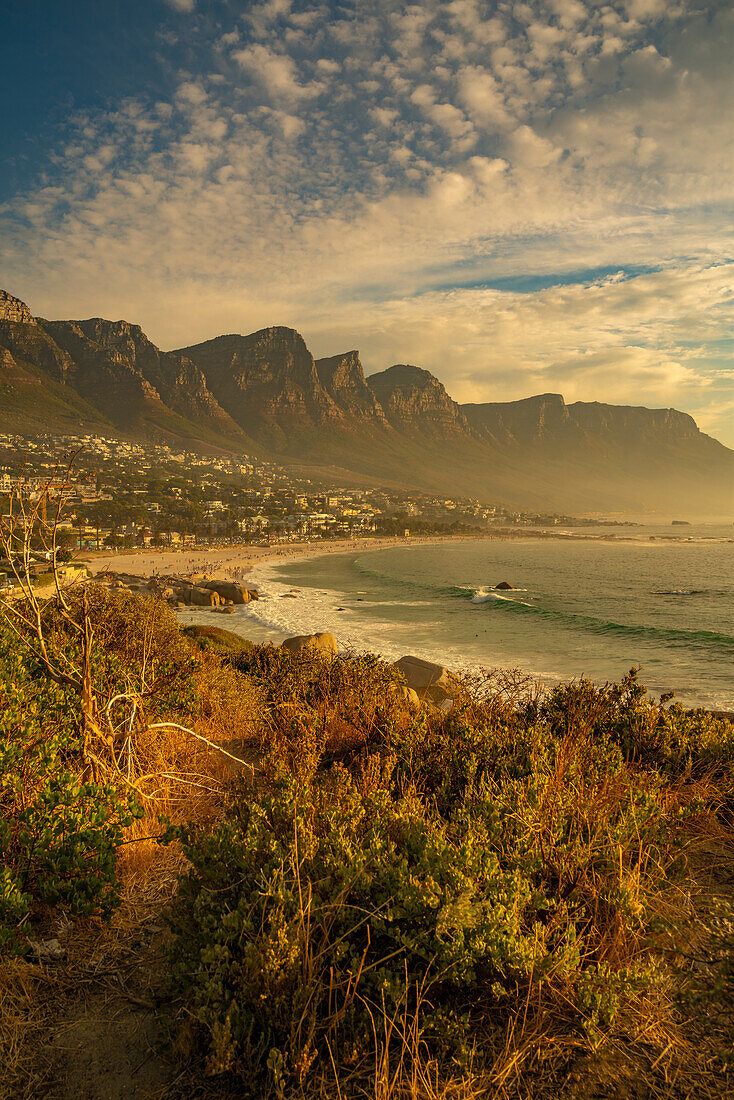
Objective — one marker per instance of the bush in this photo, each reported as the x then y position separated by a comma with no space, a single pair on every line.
307,913
675,741
58,833
322,708
470,867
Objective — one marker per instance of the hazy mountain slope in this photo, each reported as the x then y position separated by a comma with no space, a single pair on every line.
267,382
31,402
265,393
605,456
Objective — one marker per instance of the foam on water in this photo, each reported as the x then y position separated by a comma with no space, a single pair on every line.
581,609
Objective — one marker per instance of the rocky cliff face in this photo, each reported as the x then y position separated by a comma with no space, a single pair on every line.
342,376
267,382
532,419
12,309
104,375
631,424
414,401
29,343
400,427
547,421
177,381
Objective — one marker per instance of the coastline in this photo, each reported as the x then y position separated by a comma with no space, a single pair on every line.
286,609
218,561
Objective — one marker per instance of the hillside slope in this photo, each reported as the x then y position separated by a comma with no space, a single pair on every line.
265,394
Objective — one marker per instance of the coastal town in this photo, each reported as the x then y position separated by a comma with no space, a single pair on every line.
119,494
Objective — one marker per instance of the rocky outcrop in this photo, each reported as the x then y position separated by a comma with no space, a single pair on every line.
12,309
416,403
322,645
432,683
228,590
342,376
199,597
268,383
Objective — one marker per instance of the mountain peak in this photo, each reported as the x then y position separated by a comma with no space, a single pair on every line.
267,380
404,374
12,309
342,376
413,399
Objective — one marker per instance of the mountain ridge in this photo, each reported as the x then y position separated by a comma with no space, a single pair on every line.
265,393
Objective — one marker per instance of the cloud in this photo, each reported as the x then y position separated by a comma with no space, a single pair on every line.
182,5
375,175
275,72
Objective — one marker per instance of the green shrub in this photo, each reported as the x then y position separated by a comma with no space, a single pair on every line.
58,834
324,707
215,639
325,906
310,910
675,741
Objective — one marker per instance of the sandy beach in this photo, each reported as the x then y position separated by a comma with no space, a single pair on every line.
235,562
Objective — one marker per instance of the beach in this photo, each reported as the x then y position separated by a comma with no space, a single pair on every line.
235,562
582,605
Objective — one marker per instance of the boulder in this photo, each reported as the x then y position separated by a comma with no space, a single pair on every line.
505,586
200,597
323,645
405,692
228,590
431,682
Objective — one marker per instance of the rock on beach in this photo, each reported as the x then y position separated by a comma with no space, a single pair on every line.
323,644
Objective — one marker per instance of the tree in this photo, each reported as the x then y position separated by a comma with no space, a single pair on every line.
27,615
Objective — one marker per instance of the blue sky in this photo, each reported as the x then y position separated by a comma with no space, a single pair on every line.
520,196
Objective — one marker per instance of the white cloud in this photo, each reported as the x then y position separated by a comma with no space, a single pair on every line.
357,171
529,150
480,94
276,72
182,5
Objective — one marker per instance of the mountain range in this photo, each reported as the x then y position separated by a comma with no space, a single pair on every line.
264,394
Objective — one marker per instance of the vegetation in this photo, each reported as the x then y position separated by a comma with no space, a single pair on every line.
525,893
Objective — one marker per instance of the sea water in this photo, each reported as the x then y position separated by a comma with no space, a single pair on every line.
592,607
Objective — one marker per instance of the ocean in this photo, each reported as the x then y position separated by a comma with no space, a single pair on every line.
580,607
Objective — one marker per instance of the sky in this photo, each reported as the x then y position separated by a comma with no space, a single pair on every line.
522,197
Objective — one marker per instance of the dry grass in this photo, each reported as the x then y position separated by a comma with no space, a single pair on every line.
529,1049
21,1023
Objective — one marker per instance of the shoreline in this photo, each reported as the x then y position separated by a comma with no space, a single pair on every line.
276,618
215,560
